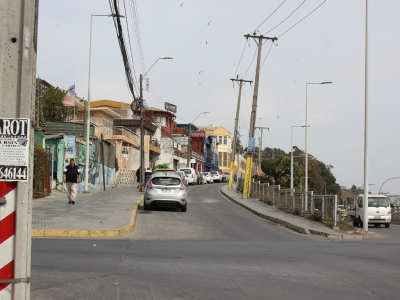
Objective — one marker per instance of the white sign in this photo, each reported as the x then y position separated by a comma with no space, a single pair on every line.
14,149
182,140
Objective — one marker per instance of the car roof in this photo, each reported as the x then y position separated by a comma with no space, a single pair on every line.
166,175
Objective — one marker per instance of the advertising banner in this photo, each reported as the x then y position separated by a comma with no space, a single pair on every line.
214,145
14,149
70,151
252,145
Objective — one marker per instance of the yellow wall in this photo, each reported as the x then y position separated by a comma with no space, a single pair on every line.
220,133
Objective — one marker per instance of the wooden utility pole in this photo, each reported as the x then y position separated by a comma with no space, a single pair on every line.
259,41
232,166
260,148
141,136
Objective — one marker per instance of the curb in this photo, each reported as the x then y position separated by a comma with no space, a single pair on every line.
299,228
91,233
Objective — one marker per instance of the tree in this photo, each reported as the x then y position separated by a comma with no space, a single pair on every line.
53,109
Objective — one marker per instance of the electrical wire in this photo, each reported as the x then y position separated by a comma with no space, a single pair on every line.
269,16
264,59
121,41
303,18
251,62
245,43
286,17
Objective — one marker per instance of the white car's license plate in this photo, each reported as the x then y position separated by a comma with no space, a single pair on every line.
165,191
377,217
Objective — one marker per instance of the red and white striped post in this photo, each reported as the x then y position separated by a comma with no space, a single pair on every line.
18,42
7,237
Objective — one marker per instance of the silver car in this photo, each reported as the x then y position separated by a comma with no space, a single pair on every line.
165,190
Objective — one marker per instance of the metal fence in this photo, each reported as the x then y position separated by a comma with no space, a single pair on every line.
42,187
300,202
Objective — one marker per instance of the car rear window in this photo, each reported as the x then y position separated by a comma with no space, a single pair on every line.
214,173
166,181
186,171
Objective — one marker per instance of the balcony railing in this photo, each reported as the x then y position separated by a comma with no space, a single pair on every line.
122,131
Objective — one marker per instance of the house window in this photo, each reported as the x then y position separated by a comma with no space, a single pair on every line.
164,121
225,140
157,119
220,159
220,140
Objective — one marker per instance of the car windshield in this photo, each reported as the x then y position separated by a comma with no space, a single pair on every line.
377,202
187,171
214,173
166,181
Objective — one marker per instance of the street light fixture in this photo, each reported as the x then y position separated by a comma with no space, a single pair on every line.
88,108
306,167
155,63
190,135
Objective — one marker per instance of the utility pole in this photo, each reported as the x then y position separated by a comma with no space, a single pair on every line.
232,167
259,149
141,136
259,41
189,146
18,40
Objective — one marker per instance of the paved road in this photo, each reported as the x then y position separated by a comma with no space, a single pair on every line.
216,250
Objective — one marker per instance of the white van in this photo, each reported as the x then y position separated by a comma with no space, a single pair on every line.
379,211
190,174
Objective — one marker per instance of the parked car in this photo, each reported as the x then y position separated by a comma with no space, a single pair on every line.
190,174
183,178
226,176
203,178
200,178
216,176
165,190
209,177
379,211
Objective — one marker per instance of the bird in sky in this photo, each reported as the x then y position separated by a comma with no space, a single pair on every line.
234,65
200,72
181,4
199,83
206,42
209,23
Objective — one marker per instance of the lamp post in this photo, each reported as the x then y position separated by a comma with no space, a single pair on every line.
142,179
385,182
88,109
190,135
306,164
291,159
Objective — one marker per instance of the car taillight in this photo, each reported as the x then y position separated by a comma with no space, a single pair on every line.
182,186
192,175
149,186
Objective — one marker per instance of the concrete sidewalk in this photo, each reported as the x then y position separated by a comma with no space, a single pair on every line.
290,221
100,213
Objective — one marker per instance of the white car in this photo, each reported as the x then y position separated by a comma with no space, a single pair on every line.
216,176
209,177
191,175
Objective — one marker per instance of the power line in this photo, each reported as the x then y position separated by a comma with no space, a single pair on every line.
250,63
303,18
245,42
286,17
265,57
269,16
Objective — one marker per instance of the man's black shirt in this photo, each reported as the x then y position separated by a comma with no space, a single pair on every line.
71,173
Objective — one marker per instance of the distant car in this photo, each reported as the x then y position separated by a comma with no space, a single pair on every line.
165,190
183,178
216,176
226,176
165,171
191,175
209,177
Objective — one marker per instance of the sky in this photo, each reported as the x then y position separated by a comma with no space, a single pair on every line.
206,41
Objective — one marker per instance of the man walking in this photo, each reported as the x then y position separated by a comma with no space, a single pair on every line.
138,177
72,176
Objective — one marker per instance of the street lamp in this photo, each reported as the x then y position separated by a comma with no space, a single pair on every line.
291,159
306,167
190,135
155,63
88,109
385,182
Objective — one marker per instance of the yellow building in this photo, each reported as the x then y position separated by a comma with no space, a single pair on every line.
224,139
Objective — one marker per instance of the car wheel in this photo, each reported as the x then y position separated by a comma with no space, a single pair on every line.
387,225
360,223
184,208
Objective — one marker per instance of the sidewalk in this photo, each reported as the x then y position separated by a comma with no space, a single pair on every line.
97,214
290,221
